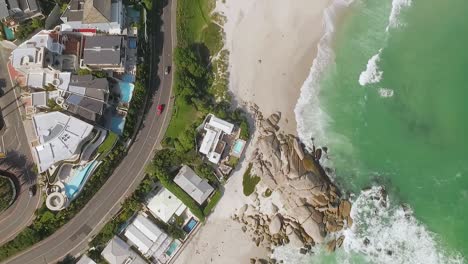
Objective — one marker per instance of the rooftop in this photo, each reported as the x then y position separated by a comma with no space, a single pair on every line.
103,50
145,235
193,185
60,137
165,204
119,252
85,260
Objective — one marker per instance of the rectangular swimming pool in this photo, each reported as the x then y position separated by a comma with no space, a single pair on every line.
190,225
238,147
172,247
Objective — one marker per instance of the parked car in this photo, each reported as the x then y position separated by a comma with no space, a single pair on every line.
168,70
160,109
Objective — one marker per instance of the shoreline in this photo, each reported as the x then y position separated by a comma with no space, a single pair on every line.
261,36
269,61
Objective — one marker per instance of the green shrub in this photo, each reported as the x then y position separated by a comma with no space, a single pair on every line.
249,181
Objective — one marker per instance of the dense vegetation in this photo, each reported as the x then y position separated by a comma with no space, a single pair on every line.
6,192
27,28
249,181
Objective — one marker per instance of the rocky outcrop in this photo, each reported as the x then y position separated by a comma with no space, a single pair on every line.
312,206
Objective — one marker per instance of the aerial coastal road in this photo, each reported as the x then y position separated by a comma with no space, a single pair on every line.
73,238
13,141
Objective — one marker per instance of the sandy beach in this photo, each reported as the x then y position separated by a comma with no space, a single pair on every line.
272,45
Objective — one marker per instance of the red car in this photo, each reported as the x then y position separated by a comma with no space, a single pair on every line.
160,109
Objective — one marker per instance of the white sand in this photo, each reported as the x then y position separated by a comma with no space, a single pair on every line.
221,239
272,45
284,36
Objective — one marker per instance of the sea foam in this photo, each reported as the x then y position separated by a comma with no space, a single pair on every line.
387,233
372,74
397,7
309,114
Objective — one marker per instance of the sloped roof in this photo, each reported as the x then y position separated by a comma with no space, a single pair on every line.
193,185
3,9
119,252
97,11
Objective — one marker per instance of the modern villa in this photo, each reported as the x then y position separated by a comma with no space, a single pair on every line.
95,15
212,145
199,189
60,137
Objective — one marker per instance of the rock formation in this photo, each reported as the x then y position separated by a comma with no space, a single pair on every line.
312,206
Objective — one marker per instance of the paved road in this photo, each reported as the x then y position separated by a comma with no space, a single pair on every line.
13,141
73,238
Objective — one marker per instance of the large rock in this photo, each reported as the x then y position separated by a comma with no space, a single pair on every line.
313,230
241,211
331,245
275,225
295,240
345,209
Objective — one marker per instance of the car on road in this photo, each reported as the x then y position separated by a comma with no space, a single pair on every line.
160,109
168,70
32,190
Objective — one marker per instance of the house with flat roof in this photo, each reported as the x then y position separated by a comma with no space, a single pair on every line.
60,138
164,205
118,251
212,145
147,237
199,189
98,15
42,51
104,53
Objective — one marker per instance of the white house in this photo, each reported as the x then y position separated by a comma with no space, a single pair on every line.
164,205
60,136
212,145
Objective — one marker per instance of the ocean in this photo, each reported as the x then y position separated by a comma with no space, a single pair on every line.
387,95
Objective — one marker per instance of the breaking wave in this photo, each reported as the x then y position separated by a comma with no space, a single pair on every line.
372,74
308,101
397,7
387,233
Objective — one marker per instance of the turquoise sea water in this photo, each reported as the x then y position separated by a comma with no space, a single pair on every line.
391,106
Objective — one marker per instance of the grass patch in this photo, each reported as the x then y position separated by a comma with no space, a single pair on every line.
249,181
183,116
214,200
267,192
191,20
213,38
108,143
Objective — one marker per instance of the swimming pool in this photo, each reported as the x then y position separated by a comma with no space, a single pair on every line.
238,147
9,34
77,180
117,124
172,247
126,91
190,225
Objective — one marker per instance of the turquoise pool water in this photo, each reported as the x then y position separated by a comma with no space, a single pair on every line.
9,34
77,180
117,124
172,247
238,147
126,91
190,225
